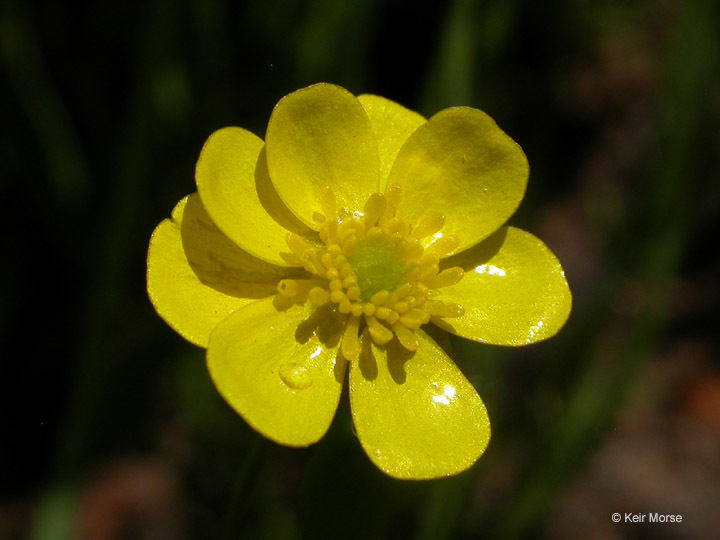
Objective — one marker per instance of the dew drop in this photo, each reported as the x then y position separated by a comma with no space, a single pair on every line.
295,376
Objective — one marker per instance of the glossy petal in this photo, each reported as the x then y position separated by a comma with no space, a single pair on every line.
392,125
320,137
235,188
196,276
279,369
416,415
514,291
461,164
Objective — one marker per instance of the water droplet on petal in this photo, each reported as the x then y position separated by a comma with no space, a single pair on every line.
295,376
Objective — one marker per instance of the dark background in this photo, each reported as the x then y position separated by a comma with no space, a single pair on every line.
111,428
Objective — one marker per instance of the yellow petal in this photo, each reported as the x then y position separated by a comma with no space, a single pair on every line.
392,125
514,291
235,188
462,165
196,276
416,415
320,137
277,372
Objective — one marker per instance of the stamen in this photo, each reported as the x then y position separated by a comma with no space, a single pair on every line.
392,194
328,203
374,209
409,249
447,277
443,246
414,319
406,337
288,287
319,296
428,225
380,333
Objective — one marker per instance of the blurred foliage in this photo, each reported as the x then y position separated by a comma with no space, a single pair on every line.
105,108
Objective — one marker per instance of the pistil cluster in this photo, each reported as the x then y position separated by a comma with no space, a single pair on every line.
377,269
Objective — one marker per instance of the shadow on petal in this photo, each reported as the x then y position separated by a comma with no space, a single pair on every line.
219,263
367,362
479,253
397,355
324,323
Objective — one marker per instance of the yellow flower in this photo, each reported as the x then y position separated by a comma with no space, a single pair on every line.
327,247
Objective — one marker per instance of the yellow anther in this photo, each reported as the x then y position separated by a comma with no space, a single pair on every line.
329,232
344,306
349,281
428,225
427,271
336,285
298,245
346,233
356,309
376,235
444,309
393,194
353,293
401,307
403,290
340,259
413,319
409,249
380,333
379,298
369,309
429,258
406,337
446,278
288,287
419,289
349,245
335,250
350,346
328,203
346,270
443,246
332,273
383,312
374,209
327,260
319,296
393,226
337,296
391,299
412,270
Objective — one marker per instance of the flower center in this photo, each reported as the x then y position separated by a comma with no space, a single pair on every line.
377,269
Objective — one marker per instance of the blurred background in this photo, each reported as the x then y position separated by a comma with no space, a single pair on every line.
111,428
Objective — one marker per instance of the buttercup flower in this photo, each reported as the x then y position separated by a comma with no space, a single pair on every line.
329,246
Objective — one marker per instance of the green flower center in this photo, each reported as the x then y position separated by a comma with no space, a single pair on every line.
377,269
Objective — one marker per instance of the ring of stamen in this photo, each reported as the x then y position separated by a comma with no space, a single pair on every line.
374,268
